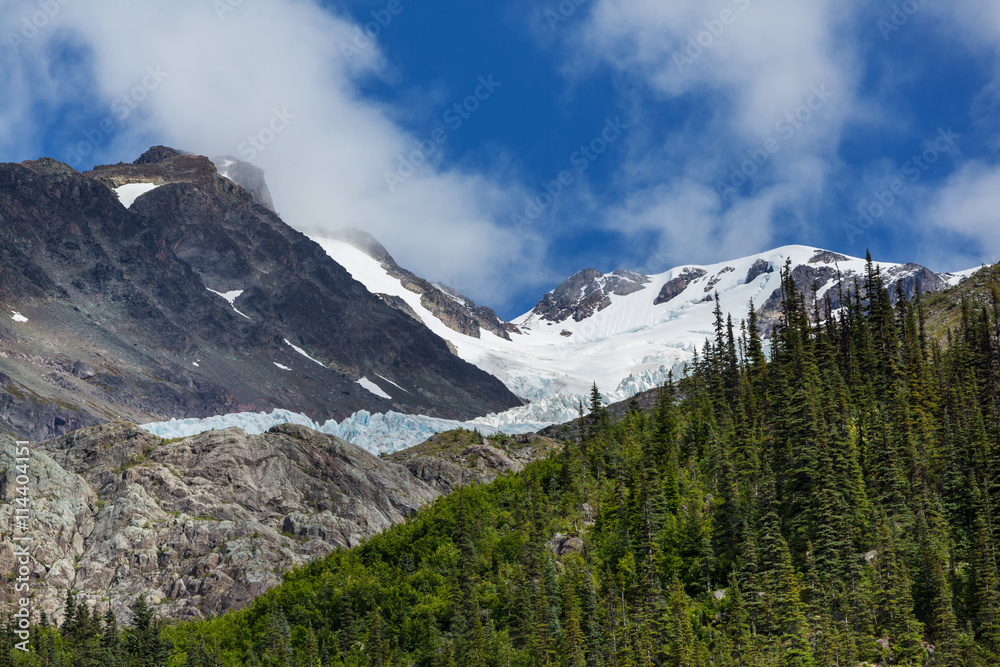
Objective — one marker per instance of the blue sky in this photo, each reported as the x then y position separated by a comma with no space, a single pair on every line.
861,125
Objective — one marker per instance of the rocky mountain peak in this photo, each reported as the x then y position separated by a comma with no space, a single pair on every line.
46,166
586,293
247,176
161,166
158,154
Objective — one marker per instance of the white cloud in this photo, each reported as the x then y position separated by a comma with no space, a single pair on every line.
969,204
226,77
747,67
763,56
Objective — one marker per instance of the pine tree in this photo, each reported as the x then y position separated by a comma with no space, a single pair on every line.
143,643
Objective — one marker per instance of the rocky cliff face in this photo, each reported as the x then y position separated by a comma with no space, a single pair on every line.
456,458
201,525
586,293
194,301
247,176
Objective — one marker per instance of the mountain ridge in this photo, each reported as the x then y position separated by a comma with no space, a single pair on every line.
193,300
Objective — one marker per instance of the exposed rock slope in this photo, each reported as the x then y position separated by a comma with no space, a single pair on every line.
456,458
202,525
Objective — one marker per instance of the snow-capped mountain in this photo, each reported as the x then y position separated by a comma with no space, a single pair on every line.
623,330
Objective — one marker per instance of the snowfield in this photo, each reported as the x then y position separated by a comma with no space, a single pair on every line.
628,347
374,388
231,297
127,194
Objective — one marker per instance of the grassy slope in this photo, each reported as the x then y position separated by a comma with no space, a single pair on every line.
944,309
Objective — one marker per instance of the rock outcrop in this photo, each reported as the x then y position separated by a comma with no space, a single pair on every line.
586,293
201,525
674,287
457,458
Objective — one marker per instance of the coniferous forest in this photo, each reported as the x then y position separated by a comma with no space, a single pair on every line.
827,495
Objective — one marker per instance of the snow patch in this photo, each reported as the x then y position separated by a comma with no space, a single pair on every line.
284,368
957,278
304,354
231,298
374,388
391,382
127,194
18,317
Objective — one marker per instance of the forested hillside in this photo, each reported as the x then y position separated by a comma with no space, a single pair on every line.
833,501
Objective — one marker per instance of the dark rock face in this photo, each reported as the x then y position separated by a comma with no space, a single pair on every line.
586,293
827,257
248,177
126,294
759,268
158,154
673,288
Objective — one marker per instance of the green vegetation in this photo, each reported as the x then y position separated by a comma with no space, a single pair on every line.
835,502
944,309
86,639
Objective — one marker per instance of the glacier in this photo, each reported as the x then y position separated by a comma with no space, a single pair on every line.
385,433
631,346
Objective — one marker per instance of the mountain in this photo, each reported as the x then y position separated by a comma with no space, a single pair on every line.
169,288
624,330
201,525
160,289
